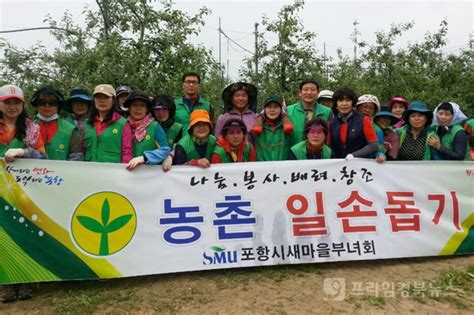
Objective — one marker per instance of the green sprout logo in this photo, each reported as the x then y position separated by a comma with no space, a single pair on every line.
101,233
217,249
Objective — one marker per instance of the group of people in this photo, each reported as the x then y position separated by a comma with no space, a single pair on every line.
121,125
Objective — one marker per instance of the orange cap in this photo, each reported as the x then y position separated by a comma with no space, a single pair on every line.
199,115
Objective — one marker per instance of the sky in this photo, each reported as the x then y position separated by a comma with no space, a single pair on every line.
332,21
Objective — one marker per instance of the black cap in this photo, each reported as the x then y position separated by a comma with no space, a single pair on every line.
273,99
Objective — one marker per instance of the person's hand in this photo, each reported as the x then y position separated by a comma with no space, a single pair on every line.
166,165
387,146
135,162
349,157
12,154
380,158
204,163
434,142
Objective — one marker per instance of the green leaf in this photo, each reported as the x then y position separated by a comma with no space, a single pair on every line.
105,212
118,223
90,224
217,249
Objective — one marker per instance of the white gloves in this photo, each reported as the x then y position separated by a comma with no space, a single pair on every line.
12,154
349,157
135,162
167,163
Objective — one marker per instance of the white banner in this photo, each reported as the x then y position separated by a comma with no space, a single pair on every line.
70,220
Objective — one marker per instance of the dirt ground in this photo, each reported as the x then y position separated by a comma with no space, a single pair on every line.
435,285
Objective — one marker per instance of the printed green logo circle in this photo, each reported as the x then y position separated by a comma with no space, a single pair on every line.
104,223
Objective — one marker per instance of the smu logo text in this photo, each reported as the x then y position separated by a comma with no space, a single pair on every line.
219,256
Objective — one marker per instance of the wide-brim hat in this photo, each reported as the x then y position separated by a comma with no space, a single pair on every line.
385,112
166,101
418,107
77,95
199,115
48,90
134,96
240,86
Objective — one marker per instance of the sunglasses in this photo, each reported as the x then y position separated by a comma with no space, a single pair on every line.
51,103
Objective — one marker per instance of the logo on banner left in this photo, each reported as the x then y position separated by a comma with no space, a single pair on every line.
104,223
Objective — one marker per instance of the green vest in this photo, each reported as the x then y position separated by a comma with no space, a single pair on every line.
448,139
183,114
69,119
380,146
272,146
108,146
300,151
148,143
297,114
172,133
470,122
14,144
58,147
402,132
226,158
191,153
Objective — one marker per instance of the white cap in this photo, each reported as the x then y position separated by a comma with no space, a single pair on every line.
369,98
11,91
325,94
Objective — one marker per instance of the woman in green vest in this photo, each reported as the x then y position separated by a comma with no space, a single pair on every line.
314,146
384,120
164,111
451,141
196,147
19,135
19,138
272,140
105,138
78,105
415,134
232,145
61,139
148,138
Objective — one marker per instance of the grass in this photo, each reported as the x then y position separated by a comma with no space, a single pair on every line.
184,292
377,301
454,286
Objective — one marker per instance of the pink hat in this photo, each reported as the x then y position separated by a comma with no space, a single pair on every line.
398,99
11,91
